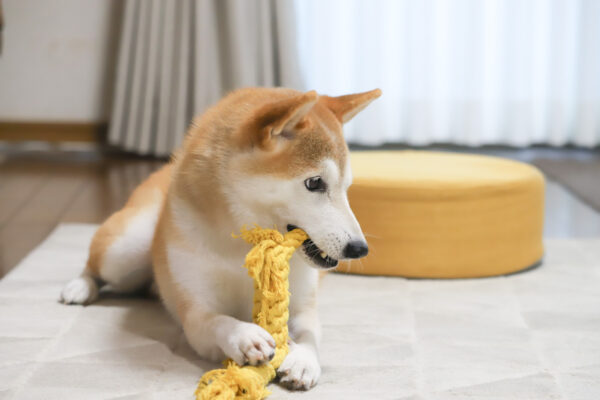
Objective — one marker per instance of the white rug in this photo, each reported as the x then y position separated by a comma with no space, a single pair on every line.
534,335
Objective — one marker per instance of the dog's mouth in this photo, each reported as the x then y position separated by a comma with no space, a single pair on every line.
315,254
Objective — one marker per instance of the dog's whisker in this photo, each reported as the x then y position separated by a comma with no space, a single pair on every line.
372,249
353,266
356,267
362,266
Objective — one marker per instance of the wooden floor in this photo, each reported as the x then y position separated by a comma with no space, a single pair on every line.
39,191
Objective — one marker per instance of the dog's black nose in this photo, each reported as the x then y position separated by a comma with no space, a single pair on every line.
356,249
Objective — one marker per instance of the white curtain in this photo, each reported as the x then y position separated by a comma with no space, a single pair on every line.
468,72
177,57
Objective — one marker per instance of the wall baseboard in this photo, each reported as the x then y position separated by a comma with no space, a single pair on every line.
53,132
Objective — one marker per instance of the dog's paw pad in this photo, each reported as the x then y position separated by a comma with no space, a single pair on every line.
80,290
300,370
250,344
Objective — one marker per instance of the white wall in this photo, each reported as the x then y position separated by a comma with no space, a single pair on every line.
58,59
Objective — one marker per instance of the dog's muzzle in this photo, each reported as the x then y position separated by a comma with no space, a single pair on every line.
314,253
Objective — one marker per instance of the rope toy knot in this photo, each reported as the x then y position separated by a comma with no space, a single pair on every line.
268,265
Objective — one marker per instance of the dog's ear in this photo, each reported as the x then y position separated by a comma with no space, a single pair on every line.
287,113
275,118
346,107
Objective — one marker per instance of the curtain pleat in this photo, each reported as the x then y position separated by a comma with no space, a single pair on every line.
178,57
121,93
163,101
152,81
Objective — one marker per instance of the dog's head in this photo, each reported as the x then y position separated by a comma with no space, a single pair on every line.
291,169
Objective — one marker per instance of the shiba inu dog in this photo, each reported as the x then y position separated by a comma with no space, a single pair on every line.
273,157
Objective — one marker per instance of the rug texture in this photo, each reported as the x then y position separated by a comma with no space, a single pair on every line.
533,335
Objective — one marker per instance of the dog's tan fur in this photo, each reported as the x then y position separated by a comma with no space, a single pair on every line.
181,218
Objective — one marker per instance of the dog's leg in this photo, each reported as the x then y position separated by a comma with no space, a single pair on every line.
217,336
301,370
120,251
119,256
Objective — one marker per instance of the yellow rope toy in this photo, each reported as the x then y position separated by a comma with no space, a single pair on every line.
268,265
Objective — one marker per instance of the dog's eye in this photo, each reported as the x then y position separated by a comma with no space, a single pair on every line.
315,184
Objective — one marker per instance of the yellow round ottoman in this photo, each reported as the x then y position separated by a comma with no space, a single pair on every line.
445,215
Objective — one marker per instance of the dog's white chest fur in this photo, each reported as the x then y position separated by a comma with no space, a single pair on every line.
217,281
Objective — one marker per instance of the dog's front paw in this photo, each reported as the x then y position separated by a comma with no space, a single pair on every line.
248,343
300,370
